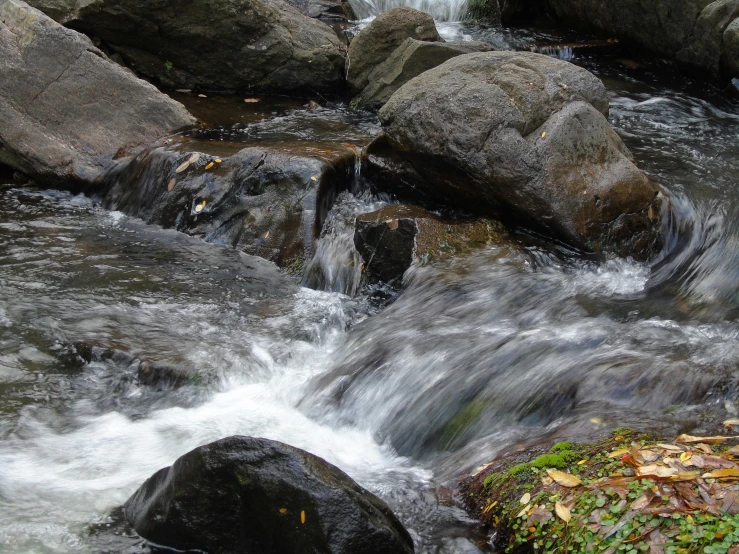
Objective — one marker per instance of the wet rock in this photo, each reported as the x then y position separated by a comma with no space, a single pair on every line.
687,30
392,238
66,109
163,376
409,60
252,495
523,137
269,202
731,48
229,45
374,44
325,9
704,49
733,88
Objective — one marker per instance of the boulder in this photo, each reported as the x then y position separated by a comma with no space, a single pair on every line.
393,238
340,10
66,109
257,496
705,47
374,44
522,137
227,45
268,202
687,30
731,48
409,60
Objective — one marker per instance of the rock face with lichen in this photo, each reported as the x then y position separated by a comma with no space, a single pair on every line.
256,496
231,45
391,239
65,109
522,137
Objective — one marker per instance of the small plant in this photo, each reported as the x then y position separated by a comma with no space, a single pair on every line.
168,65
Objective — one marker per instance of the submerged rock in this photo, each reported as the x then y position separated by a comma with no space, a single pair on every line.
391,239
523,137
66,109
256,496
374,44
409,60
269,202
230,45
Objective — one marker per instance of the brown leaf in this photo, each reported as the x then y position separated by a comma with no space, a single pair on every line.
539,515
564,479
182,167
643,501
171,184
670,447
731,503
734,451
618,453
656,471
704,447
707,440
722,473
251,100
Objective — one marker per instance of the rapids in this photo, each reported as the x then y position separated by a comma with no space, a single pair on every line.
404,392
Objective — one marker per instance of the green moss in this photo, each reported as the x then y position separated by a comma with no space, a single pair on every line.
561,447
454,429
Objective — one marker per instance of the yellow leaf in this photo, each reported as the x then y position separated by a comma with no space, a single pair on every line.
525,499
722,473
582,462
283,510
171,184
267,235
251,100
489,507
524,511
562,511
707,440
685,456
209,166
218,160
314,178
618,453
302,516
199,207
564,479
543,134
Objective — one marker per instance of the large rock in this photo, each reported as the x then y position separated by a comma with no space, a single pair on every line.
374,44
230,45
340,10
393,238
687,30
706,45
731,48
523,137
65,109
268,202
409,60
256,496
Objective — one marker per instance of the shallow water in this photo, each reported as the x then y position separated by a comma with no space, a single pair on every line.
507,345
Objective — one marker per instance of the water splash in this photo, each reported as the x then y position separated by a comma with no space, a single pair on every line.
440,10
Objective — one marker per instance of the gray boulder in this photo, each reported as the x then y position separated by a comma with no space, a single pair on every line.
65,109
229,45
256,496
374,44
522,137
340,10
705,47
268,202
731,48
409,60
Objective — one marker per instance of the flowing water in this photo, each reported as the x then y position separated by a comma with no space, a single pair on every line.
405,392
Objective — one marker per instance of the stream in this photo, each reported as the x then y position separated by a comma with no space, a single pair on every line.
405,392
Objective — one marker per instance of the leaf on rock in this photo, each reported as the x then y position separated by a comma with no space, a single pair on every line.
707,440
182,167
194,158
564,479
171,184
199,207
251,100
562,511
209,166
302,516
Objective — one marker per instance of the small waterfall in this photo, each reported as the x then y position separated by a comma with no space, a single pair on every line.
440,10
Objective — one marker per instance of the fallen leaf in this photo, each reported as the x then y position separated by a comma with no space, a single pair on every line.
704,447
314,178
564,479
734,451
685,456
729,423
182,167
218,160
251,100
707,440
524,511
722,473
671,447
525,499
582,462
202,96
207,167
543,134
643,501
649,455
302,516
489,507
283,510
562,511
194,158
171,184
617,453
199,207
266,235
656,470
539,515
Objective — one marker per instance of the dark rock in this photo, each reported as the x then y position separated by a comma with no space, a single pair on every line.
325,9
256,496
522,137
269,202
391,239
733,88
731,49
409,60
687,30
66,109
374,44
228,45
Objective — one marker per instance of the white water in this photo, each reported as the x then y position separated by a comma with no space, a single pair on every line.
441,10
